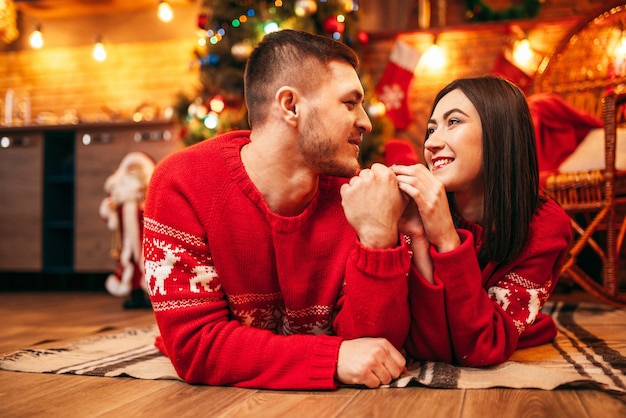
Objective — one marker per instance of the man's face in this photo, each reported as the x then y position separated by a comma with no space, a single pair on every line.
334,121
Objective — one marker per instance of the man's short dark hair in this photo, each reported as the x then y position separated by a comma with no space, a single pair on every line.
287,57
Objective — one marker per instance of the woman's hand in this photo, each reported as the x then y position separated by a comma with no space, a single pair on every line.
431,200
411,225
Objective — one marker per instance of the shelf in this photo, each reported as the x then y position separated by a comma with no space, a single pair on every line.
58,201
58,269
69,224
60,179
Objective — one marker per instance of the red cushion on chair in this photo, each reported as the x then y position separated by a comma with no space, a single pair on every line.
559,128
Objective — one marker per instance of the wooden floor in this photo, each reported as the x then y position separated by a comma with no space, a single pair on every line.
30,318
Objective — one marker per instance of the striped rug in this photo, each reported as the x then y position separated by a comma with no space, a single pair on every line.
589,351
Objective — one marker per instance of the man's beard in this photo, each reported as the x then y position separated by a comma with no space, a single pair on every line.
321,152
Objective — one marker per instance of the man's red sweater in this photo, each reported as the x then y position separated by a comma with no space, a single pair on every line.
248,298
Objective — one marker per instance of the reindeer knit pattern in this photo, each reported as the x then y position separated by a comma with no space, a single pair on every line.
248,298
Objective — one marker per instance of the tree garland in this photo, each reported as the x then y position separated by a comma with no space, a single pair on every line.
478,11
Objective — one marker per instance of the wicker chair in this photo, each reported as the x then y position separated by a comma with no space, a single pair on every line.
580,72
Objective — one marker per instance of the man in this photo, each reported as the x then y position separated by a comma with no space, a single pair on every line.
270,263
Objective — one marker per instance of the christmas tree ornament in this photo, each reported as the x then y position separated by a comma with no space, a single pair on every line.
392,89
211,120
333,25
217,104
201,111
304,8
202,21
364,38
350,5
211,60
241,50
376,108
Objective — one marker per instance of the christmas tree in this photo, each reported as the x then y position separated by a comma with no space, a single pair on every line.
230,29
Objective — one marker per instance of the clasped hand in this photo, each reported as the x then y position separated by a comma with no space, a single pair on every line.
373,204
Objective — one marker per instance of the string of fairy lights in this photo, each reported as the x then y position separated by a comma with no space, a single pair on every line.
165,13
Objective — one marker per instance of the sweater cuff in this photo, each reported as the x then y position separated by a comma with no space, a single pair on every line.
424,285
448,264
383,263
324,356
467,242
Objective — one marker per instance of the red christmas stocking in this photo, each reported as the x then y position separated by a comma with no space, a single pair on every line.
504,68
394,84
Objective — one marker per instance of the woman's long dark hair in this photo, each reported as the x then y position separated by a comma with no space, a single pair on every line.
511,173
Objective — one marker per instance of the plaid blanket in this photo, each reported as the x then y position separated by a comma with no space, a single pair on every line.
589,351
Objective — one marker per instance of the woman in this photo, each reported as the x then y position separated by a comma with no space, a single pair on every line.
487,246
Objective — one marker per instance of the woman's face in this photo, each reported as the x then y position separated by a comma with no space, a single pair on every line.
453,149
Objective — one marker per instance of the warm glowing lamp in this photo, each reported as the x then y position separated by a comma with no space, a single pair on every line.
619,60
99,53
433,58
36,39
621,47
165,12
522,53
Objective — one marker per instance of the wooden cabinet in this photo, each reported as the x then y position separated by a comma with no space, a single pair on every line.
21,200
51,185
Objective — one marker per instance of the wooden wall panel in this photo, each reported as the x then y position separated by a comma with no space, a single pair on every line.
62,79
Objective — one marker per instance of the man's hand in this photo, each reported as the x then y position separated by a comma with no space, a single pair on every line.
369,361
373,205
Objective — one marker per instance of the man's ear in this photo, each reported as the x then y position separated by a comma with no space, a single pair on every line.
287,98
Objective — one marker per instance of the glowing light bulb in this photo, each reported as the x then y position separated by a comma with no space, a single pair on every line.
621,48
165,12
434,58
36,39
522,53
211,120
619,60
217,104
99,53
376,109
270,27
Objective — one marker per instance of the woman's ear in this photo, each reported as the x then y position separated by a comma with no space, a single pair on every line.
287,98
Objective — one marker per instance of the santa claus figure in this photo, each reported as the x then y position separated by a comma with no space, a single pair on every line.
122,210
